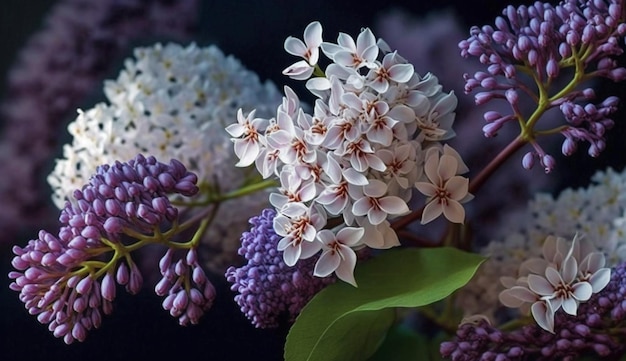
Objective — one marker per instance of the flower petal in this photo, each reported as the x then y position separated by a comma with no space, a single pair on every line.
600,279
540,285
582,291
327,264
345,271
432,210
454,211
543,315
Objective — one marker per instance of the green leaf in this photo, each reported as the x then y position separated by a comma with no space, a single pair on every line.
403,344
336,323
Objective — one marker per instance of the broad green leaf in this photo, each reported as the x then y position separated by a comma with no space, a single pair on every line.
396,278
403,344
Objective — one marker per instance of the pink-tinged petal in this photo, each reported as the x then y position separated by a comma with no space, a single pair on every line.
446,104
361,206
309,233
284,243
291,255
293,209
375,163
462,167
454,211
352,101
569,269
402,113
401,73
375,188
447,167
593,262
458,187
431,165
570,306
332,169
554,277
540,285
350,236
300,70
295,46
327,264
376,216
516,296
427,189
318,86
236,130
379,84
543,315
432,210
326,237
365,40
555,303
370,53
582,291
346,41
345,270
308,192
247,151
308,249
279,139
358,163
313,34
600,279
354,177
380,135
393,205
344,58
535,265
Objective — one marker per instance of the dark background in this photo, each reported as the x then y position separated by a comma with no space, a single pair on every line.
139,328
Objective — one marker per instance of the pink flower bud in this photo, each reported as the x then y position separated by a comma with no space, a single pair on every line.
108,287
528,161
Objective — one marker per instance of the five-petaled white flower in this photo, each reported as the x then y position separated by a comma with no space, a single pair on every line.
446,190
308,50
376,205
248,137
337,253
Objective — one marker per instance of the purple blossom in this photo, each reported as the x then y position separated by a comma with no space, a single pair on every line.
544,53
55,71
593,331
266,287
68,281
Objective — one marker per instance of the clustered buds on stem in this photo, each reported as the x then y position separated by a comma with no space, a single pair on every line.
546,53
69,280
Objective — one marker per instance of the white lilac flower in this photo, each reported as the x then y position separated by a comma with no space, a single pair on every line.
337,253
597,212
566,275
174,101
357,157
445,189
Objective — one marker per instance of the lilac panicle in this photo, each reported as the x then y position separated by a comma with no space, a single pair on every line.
543,44
187,290
266,287
63,279
57,68
594,331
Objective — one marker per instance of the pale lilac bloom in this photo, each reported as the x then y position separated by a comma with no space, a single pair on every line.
337,253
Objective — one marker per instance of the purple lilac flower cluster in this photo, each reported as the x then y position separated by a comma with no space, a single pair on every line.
530,49
593,331
266,286
69,280
55,71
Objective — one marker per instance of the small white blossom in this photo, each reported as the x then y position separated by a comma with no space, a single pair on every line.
337,253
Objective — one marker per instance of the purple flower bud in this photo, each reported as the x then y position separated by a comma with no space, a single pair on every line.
108,287
84,286
548,163
528,161
122,276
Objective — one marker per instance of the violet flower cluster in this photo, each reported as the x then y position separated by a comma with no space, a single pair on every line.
266,287
594,331
69,280
54,72
529,50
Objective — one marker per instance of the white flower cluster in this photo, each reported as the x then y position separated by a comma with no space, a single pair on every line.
567,274
358,156
173,101
170,102
597,212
